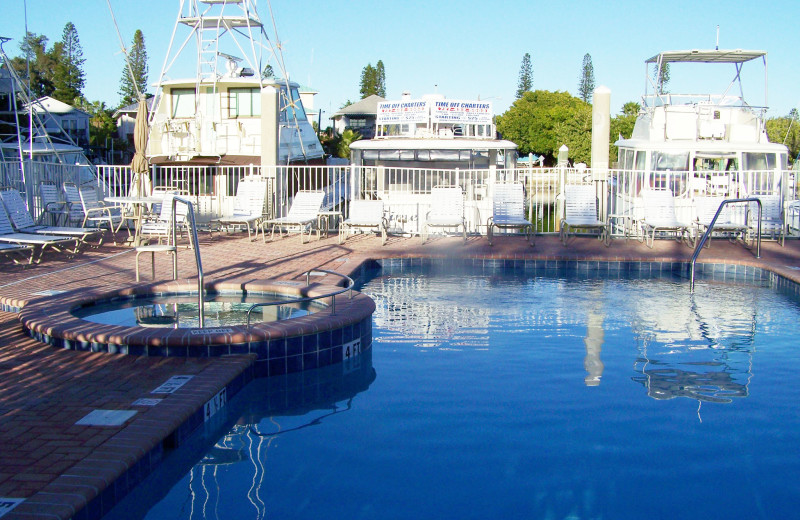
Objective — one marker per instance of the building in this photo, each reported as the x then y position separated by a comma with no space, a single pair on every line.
360,117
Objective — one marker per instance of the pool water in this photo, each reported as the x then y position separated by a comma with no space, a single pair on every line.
181,310
504,395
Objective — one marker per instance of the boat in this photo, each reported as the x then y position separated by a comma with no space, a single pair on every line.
427,142
714,144
33,145
215,117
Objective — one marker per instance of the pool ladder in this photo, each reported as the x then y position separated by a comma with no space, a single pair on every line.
710,229
196,247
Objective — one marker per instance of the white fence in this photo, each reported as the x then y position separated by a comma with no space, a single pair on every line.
406,191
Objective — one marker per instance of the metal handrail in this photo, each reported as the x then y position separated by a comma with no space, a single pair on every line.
196,247
710,229
308,274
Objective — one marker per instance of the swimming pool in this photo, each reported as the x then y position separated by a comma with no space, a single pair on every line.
502,393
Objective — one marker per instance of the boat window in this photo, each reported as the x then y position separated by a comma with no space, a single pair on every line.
663,161
640,161
244,102
294,109
628,159
183,102
758,161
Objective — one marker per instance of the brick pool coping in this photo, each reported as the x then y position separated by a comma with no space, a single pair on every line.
280,347
116,456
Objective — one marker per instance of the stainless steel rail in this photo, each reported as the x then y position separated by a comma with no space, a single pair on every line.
308,274
710,229
196,247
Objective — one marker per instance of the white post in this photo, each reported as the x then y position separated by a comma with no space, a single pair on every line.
601,128
270,133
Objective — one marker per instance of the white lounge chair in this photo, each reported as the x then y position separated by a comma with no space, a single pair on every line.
304,213
580,212
364,214
508,211
731,219
658,208
37,242
9,250
248,205
23,222
447,210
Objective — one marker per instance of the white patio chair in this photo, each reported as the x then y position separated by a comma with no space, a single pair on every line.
23,222
98,213
447,210
303,213
773,222
580,212
160,228
730,221
248,205
34,241
364,214
508,211
658,208
53,205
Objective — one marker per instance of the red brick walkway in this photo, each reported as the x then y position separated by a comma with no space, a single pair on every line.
59,467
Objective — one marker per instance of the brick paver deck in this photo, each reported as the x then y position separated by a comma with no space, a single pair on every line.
60,467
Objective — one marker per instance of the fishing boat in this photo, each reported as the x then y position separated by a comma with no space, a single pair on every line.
713,144
215,117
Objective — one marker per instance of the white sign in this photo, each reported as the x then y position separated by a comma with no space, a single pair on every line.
215,404
172,384
351,356
399,112
462,112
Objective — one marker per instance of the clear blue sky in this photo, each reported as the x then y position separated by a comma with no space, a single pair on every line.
462,49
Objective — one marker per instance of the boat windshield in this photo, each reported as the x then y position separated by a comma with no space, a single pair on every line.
675,161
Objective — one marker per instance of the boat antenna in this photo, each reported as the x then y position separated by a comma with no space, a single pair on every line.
124,50
717,48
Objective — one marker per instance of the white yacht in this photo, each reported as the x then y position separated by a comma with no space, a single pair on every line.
215,117
709,143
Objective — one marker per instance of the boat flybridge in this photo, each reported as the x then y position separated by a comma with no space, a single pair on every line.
702,142
215,116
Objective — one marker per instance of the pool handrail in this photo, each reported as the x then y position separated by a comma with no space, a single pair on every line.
196,247
710,228
332,295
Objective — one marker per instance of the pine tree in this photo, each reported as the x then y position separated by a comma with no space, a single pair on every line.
130,87
68,80
42,64
586,79
380,73
368,81
525,83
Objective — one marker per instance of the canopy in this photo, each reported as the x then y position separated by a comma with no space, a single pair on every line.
707,56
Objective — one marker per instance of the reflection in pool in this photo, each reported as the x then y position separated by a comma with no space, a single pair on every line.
504,394
181,310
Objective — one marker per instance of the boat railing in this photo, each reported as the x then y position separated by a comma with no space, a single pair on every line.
332,295
710,229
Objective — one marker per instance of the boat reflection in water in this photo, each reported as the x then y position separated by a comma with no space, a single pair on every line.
236,445
705,354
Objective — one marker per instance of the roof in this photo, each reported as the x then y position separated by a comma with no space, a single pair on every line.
54,106
707,56
433,144
134,107
366,107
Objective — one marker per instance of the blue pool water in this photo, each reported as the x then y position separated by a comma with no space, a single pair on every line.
505,395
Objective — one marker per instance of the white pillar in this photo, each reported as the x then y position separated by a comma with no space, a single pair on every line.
270,133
